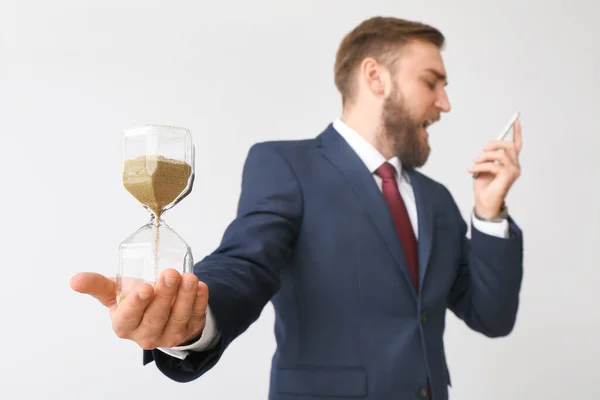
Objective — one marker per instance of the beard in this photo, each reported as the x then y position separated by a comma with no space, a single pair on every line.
403,132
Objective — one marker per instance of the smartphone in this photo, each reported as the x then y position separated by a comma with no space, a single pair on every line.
509,125
506,130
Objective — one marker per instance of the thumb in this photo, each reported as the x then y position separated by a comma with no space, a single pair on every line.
96,285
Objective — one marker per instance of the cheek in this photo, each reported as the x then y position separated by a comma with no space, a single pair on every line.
419,100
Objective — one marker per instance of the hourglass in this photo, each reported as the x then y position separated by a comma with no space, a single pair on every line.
158,170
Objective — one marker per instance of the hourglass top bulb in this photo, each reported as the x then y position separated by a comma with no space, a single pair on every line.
157,165
155,181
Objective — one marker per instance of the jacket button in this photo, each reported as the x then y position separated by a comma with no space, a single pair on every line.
422,393
423,317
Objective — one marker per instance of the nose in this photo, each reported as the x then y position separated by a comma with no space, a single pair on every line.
443,103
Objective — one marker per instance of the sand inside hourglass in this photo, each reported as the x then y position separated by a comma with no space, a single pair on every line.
156,182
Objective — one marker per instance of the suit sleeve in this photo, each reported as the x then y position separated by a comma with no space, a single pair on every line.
242,274
485,294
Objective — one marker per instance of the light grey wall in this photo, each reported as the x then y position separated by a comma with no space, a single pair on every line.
74,74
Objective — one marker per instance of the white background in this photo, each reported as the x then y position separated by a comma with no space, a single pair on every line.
75,74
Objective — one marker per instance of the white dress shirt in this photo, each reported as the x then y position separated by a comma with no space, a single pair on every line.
372,159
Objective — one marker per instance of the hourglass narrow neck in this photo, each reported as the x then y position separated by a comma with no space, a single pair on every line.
155,219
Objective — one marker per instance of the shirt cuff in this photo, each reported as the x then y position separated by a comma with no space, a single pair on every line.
497,229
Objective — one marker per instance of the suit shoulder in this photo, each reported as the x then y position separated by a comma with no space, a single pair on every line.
285,148
285,145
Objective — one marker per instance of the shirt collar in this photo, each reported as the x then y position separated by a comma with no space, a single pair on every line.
369,155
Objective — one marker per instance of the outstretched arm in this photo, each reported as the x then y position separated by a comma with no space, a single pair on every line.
242,274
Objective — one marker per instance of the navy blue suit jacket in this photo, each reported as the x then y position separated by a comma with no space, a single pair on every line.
314,236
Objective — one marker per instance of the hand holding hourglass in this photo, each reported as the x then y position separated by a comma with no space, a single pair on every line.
155,300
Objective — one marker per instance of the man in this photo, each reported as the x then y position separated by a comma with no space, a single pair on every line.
360,254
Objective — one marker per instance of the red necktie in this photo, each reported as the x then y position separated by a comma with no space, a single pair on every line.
387,172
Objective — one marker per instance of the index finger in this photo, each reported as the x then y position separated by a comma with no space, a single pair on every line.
517,138
96,285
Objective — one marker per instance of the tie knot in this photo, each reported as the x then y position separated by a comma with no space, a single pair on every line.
386,171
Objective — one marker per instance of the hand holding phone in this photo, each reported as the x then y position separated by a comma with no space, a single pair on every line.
504,133
495,170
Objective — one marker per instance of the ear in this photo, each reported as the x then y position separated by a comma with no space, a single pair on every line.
375,76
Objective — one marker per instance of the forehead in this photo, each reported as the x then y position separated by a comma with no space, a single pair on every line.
419,57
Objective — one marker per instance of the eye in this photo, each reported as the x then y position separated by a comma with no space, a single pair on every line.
430,85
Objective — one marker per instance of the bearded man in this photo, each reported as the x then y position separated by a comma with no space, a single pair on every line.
360,254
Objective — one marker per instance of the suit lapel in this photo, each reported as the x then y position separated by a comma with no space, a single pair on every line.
339,153
425,216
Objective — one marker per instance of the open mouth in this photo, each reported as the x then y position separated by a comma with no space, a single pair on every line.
428,123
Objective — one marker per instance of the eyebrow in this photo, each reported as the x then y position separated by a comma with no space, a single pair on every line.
438,75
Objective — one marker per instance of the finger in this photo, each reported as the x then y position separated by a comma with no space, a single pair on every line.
175,331
517,137
112,309
508,147
95,285
198,317
488,167
499,145
157,313
126,317
197,321
492,156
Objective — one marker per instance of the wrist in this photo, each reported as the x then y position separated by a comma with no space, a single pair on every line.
192,340
491,215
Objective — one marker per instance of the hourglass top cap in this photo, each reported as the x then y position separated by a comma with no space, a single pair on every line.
155,129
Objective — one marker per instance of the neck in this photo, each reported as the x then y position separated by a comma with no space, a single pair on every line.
373,132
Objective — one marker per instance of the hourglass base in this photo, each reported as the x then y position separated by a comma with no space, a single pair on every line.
149,251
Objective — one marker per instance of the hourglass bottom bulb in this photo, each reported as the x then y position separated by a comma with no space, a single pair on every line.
148,252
